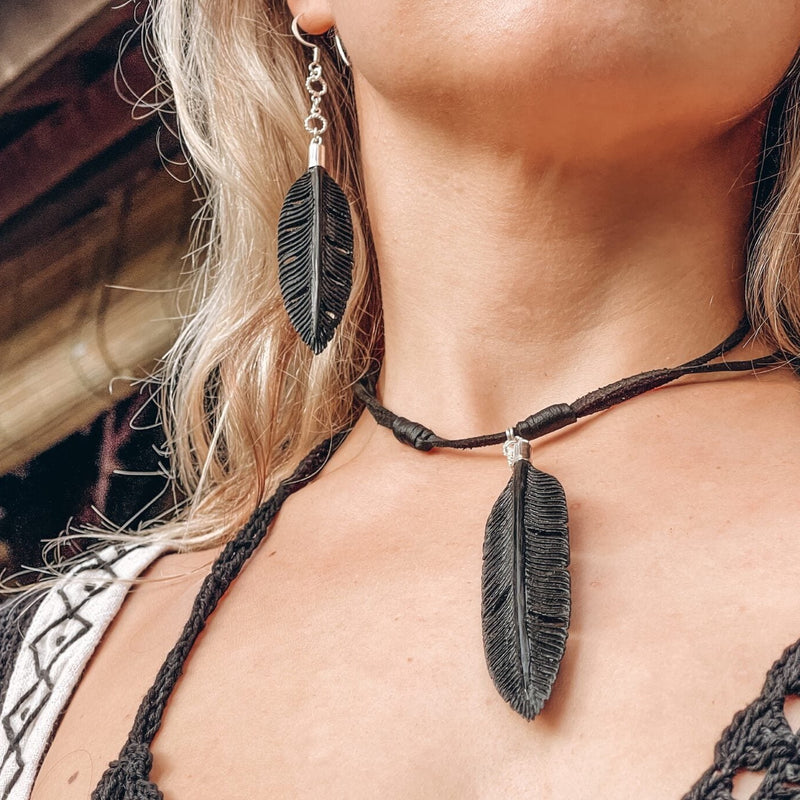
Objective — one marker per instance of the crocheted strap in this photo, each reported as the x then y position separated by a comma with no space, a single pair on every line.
127,778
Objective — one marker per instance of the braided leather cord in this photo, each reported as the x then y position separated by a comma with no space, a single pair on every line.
555,417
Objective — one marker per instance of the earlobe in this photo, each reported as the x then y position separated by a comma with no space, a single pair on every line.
316,15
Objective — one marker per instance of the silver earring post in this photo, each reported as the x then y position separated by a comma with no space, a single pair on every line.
340,48
299,36
306,43
315,123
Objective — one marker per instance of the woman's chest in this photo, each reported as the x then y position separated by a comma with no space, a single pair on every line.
353,665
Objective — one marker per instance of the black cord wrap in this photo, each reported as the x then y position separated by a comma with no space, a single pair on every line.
128,777
413,433
559,415
545,421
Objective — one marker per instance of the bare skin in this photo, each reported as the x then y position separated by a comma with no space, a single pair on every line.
559,194
346,659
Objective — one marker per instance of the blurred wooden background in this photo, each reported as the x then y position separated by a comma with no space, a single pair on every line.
92,227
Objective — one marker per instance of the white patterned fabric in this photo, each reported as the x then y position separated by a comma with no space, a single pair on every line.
63,633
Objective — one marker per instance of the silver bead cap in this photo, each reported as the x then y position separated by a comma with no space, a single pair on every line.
515,448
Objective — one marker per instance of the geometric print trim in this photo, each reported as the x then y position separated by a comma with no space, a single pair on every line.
64,632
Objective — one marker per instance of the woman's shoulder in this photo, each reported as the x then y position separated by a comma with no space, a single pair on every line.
47,636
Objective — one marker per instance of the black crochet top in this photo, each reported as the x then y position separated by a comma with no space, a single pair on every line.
759,739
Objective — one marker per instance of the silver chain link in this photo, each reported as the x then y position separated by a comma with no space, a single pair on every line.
315,123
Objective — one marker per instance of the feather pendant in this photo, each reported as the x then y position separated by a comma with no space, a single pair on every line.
526,588
315,256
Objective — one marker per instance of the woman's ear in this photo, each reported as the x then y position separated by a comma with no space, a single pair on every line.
316,16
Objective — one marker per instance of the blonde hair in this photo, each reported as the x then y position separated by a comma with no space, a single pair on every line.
242,398
772,285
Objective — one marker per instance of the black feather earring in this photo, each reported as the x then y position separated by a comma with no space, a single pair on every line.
315,231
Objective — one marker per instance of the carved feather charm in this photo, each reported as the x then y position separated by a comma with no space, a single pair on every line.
526,587
315,256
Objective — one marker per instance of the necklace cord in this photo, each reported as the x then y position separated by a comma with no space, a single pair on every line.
557,416
128,775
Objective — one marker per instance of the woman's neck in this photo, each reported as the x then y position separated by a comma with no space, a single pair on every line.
512,279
